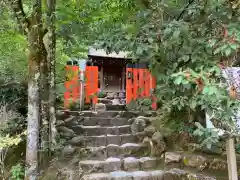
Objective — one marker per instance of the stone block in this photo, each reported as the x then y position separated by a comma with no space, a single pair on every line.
104,121
95,141
66,132
90,121
92,166
125,129
130,164
195,161
175,174
121,175
98,176
92,130
113,139
110,95
157,175
112,130
129,148
95,152
119,121
100,107
112,164
77,141
172,157
113,150
141,175
61,115
128,138
69,150
147,162
78,129
218,165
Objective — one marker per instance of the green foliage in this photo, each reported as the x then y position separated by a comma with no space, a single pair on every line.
13,49
17,172
206,136
102,94
14,60
14,94
10,135
81,23
74,106
184,44
8,141
140,104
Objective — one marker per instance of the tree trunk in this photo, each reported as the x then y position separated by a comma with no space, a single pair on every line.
33,119
44,96
36,52
51,49
38,83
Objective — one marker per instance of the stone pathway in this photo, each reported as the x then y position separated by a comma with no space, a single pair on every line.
112,151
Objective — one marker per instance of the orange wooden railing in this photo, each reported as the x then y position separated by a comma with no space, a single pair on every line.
72,85
91,88
140,84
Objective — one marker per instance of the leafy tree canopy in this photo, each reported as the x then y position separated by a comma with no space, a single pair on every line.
186,43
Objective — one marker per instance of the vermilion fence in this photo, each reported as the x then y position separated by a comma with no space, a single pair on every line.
139,84
73,85
91,88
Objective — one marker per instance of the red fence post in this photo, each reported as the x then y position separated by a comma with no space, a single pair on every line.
135,84
153,87
76,87
91,88
146,83
129,85
141,82
71,85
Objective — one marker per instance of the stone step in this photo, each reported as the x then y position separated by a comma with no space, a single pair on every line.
101,130
96,126
113,150
89,113
102,121
173,174
61,113
103,140
117,164
120,107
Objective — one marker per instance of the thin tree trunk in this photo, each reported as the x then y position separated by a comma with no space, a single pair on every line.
36,51
33,106
33,120
44,96
51,5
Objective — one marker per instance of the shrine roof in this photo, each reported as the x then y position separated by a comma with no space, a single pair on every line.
102,53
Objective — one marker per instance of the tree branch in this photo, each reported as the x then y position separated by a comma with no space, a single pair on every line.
17,8
184,9
9,84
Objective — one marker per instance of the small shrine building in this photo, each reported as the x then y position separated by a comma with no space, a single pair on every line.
113,75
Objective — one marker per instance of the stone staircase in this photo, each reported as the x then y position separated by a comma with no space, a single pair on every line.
108,150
